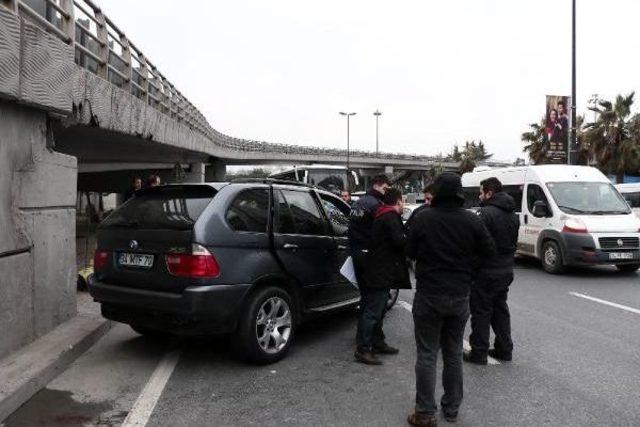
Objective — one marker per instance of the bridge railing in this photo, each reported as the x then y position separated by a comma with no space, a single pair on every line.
102,48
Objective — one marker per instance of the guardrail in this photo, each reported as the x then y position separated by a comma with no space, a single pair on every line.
102,48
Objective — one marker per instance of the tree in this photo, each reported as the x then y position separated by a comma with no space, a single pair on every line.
613,139
473,153
253,173
536,142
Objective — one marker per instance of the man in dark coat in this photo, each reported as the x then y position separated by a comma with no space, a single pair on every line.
388,269
489,294
360,237
446,241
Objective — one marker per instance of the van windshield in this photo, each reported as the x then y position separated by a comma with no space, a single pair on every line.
171,207
588,198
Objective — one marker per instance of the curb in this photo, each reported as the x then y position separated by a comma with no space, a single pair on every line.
31,368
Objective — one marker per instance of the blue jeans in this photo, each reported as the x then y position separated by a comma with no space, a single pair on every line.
372,311
439,324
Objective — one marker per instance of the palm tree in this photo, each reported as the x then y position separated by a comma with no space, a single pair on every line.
469,157
611,137
536,142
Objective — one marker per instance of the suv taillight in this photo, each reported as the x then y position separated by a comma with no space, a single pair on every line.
200,263
100,259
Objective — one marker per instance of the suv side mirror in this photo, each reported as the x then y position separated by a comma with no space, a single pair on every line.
540,209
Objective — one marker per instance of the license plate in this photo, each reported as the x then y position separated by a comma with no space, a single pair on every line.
135,260
621,255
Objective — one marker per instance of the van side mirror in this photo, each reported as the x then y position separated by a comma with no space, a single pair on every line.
540,209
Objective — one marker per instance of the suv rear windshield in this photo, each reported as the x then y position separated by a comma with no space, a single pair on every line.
171,207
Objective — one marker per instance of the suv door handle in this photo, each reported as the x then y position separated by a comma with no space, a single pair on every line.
290,246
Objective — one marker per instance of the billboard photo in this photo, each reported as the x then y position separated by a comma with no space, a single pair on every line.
558,127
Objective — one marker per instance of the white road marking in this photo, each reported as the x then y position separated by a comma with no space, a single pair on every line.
605,302
465,343
146,402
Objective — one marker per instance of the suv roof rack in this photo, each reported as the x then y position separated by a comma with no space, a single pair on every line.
272,181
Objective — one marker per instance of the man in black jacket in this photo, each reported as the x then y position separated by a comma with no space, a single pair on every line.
489,293
360,232
387,269
446,241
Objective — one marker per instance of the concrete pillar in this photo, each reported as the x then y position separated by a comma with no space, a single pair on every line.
196,173
388,170
37,229
216,171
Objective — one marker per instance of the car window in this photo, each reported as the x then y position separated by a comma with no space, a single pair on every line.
633,199
337,213
171,207
249,211
535,194
298,213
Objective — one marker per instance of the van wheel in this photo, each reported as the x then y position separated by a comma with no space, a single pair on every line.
552,261
266,326
628,268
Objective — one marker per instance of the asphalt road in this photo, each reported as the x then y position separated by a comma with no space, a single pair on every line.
576,363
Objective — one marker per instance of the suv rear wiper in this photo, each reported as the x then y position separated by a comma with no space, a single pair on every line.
575,210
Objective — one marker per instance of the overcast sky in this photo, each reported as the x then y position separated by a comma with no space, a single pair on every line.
441,72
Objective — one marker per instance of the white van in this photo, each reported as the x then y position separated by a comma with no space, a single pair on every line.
569,215
631,193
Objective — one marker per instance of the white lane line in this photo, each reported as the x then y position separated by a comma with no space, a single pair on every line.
146,402
605,302
465,343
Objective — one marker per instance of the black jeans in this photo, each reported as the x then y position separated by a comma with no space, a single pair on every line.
372,310
489,309
439,323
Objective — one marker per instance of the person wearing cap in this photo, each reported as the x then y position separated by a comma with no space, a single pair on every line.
447,242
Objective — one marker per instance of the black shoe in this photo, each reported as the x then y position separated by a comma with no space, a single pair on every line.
506,357
385,349
469,357
422,420
366,357
450,417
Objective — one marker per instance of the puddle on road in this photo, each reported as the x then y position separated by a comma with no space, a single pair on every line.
59,408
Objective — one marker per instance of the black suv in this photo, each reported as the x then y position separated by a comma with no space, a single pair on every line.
251,258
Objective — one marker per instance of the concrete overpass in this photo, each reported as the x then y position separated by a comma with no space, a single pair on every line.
78,98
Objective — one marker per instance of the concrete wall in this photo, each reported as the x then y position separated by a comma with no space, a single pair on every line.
37,229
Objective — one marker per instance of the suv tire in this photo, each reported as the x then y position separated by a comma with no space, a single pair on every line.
551,256
266,326
628,268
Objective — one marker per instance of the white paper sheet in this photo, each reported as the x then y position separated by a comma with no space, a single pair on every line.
348,272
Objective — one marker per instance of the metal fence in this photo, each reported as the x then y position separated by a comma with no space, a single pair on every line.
102,48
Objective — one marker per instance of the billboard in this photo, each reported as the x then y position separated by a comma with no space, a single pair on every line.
558,128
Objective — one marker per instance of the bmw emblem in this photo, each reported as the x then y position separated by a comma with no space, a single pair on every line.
133,244
620,242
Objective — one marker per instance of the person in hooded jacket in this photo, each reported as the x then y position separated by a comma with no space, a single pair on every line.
446,241
387,269
489,294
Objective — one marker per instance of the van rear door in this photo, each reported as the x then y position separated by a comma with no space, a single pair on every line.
137,237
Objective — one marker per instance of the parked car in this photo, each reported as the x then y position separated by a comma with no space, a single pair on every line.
631,193
569,216
251,258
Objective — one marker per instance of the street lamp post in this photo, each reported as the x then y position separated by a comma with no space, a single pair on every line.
377,114
574,140
348,115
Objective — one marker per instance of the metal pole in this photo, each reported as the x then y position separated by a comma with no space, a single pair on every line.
377,113
348,115
574,135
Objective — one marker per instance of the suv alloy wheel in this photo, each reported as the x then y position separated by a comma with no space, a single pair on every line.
266,326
